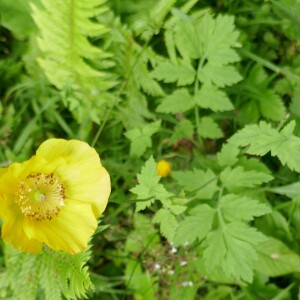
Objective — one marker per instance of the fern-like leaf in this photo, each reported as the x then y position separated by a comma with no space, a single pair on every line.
50,274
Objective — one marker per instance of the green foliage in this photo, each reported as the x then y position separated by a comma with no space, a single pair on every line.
48,275
65,50
149,187
141,138
262,138
202,182
211,87
232,248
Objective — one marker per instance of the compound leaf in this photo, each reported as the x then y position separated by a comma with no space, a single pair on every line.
262,138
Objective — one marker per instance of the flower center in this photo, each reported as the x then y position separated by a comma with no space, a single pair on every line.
40,196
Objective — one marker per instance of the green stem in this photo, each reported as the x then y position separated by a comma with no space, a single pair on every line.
219,212
268,64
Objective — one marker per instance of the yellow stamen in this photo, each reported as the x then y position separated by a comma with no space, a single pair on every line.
40,196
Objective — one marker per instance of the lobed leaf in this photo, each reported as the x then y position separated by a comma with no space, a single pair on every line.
195,226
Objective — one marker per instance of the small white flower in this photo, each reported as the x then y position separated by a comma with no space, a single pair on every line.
174,250
157,266
171,272
187,283
183,263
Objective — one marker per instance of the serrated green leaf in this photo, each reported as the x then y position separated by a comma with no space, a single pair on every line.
141,138
168,223
232,247
262,138
228,155
149,187
240,208
182,73
271,106
209,96
196,225
202,182
220,76
217,37
208,128
276,259
179,101
235,178
184,129
177,209
187,40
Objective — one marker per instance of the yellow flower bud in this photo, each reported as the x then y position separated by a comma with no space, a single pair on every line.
163,168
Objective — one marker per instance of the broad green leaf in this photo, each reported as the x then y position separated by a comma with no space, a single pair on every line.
235,178
187,40
271,106
276,259
209,96
228,155
196,225
141,138
262,138
275,224
149,187
179,101
208,128
220,76
240,208
168,223
182,73
232,247
15,16
204,183
184,129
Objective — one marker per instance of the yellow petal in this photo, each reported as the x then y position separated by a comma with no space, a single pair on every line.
13,233
163,168
2,171
83,176
70,231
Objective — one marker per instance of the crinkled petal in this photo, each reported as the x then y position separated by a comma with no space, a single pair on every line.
70,231
13,233
83,176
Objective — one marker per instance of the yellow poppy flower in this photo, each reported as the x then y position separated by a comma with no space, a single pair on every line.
163,168
54,198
